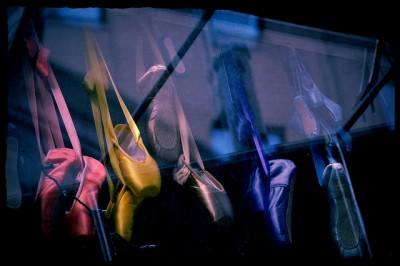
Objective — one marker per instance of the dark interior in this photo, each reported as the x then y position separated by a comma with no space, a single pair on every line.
170,228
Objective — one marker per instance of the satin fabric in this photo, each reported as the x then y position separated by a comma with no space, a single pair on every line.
139,170
277,214
79,218
207,190
121,211
142,179
66,166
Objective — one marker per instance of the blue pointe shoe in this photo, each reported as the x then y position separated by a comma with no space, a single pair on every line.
277,215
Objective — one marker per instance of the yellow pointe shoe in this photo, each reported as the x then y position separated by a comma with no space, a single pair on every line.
138,168
137,172
121,212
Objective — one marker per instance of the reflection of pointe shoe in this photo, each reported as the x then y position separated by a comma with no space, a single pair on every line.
208,191
305,122
79,218
14,194
42,62
346,226
311,93
163,126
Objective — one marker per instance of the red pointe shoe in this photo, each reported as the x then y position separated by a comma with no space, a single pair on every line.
65,165
79,217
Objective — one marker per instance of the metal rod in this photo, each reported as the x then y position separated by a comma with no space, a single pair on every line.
363,104
141,108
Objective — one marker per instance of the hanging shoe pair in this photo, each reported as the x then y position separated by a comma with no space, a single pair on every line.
268,184
316,115
172,141
137,172
70,182
58,188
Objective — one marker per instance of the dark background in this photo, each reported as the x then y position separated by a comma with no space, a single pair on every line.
375,187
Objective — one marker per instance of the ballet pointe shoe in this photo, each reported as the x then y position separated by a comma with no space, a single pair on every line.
139,170
64,166
121,212
347,229
79,217
161,120
207,190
